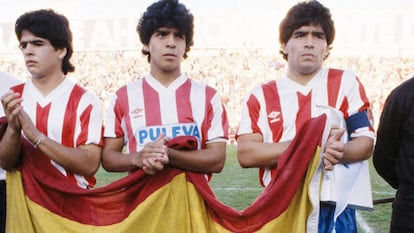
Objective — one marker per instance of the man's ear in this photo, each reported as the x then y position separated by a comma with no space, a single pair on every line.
62,52
145,48
283,49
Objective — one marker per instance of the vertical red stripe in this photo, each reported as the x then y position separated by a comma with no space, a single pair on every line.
208,114
344,107
304,111
42,117
122,110
334,84
69,122
84,122
363,96
367,105
273,106
274,118
183,103
254,109
152,105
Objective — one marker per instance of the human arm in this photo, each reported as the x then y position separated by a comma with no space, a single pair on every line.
151,158
253,152
355,150
10,140
83,160
155,155
252,148
208,160
359,144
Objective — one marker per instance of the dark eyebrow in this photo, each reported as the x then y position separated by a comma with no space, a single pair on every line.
23,44
301,32
179,33
305,32
318,33
167,31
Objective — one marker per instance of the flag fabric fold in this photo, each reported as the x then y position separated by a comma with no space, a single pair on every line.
169,201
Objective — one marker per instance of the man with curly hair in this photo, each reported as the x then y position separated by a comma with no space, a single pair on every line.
164,104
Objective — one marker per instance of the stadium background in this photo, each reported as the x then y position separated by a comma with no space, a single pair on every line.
372,27
236,47
236,43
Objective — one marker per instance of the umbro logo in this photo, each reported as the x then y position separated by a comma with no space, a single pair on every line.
136,113
274,117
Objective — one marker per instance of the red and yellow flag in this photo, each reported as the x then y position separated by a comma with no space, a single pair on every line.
169,201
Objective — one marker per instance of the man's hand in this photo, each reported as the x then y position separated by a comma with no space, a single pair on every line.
334,148
154,155
11,103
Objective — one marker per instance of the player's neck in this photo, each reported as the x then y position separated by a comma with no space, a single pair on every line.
47,83
301,78
165,77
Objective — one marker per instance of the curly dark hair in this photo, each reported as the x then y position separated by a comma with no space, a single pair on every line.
54,27
170,14
304,14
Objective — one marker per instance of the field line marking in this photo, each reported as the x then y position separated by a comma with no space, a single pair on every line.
363,224
237,188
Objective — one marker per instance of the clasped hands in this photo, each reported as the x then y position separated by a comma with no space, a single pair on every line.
154,155
334,148
17,118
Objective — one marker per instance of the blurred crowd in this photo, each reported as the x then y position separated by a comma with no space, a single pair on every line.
233,72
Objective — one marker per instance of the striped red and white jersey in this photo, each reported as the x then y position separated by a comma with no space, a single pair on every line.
279,108
142,110
69,115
